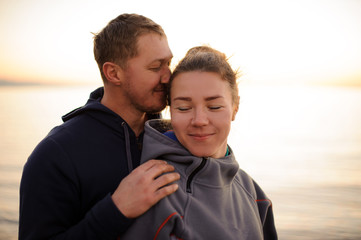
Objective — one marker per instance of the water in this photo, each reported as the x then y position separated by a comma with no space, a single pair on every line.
301,144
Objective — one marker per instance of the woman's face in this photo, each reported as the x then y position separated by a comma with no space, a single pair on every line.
202,112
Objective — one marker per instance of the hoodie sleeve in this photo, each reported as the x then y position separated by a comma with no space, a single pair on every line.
162,221
50,201
265,209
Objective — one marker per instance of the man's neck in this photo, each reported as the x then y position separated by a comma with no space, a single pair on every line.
134,118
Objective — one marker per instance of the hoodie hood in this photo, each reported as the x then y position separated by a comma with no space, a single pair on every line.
98,111
156,145
93,105
94,108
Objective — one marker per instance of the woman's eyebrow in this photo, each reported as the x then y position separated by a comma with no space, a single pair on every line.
190,99
183,99
213,97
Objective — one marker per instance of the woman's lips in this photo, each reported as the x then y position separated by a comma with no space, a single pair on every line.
201,137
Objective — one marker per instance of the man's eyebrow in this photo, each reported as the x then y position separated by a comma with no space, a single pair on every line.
157,61
163,60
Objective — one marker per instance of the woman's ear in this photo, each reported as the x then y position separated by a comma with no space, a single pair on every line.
113,73
235,109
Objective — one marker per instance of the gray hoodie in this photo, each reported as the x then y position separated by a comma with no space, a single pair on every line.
215,199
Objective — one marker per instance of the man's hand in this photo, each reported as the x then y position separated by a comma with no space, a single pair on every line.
144,187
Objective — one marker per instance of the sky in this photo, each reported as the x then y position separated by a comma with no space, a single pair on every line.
271,41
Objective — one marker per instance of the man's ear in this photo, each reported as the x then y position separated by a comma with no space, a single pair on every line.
113,73
235,109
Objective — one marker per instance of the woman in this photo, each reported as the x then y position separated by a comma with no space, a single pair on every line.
215,199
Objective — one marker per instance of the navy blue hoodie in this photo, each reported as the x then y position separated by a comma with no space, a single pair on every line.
67,182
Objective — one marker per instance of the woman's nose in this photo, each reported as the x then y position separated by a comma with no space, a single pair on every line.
200,118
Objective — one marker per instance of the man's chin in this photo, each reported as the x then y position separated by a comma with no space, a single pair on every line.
156,109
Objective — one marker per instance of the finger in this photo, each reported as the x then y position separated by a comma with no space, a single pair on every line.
148,165
165,180
159,169
165,191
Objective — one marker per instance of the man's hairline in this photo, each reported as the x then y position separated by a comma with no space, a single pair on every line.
138,52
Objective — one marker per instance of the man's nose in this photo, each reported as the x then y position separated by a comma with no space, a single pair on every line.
164,78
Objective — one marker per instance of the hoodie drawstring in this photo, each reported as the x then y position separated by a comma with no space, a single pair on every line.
127,147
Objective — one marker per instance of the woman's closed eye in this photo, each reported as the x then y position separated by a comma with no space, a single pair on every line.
215,107
183,108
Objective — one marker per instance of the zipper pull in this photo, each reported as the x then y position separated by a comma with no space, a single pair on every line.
191,176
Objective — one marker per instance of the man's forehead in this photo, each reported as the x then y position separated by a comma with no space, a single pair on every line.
155,47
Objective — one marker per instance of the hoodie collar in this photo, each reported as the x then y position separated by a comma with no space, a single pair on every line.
216,172
93,105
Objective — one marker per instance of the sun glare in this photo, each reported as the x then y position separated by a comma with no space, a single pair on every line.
272,42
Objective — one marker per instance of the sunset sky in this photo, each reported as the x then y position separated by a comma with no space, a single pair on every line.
272,42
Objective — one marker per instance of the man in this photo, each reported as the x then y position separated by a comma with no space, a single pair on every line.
75,184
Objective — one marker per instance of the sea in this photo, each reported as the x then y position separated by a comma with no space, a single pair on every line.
302,144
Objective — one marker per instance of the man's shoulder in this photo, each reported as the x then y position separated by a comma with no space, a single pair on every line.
63,141
68,132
